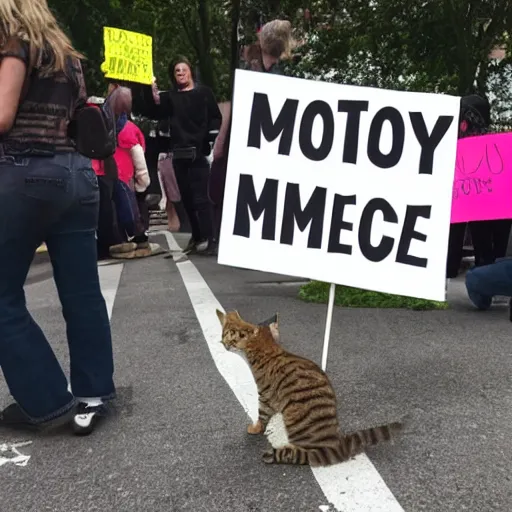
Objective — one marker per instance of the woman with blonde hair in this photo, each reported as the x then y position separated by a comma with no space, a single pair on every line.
48,192
274,44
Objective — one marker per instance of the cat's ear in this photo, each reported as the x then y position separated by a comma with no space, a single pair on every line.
274,330
237,315
274,327
269,321
221,316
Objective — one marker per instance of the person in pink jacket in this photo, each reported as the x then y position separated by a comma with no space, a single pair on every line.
132,177
131,146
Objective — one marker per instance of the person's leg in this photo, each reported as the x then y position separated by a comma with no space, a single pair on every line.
501,235
199,176
130,222
183,178
481,235
487,281
103,242
108,230
143,209
173,220
124,208
72,250
33,194
217,183
455,247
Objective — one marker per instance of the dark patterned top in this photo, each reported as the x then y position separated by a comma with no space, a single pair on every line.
41,124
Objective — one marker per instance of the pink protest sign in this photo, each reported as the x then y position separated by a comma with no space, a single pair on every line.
482,186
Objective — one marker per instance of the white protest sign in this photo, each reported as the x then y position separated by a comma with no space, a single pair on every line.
343,184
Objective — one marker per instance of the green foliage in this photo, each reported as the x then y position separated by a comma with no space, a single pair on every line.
197,29
318,292
419,45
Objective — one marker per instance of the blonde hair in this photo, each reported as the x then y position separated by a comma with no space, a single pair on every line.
276,39
33,22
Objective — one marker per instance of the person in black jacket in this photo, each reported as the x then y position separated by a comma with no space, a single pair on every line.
194,119
489,237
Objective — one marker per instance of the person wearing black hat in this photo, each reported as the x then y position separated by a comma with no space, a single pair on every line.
194,119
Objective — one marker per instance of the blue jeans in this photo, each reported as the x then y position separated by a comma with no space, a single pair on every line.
56,200
127,209
483,283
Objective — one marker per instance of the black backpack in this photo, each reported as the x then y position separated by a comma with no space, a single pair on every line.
95,127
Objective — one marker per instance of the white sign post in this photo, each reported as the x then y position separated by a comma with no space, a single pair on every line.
342,184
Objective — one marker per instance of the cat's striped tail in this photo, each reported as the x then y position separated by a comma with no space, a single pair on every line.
356,442
352,444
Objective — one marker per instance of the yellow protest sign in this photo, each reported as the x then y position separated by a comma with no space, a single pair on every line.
128,55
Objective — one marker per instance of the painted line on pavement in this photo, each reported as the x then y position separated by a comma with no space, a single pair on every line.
231,366
353,486
14,456
110,276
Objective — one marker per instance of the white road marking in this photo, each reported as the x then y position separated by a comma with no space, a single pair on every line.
354,486
13,455
230,365
110,275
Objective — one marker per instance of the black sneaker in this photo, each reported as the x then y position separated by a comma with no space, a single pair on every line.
86,418
190,246
142,241
14,417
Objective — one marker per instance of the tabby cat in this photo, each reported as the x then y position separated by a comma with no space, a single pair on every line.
299,390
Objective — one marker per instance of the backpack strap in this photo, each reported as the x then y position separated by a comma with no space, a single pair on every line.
32,55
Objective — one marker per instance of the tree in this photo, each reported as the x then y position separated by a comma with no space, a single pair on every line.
428,44
419,45
196,29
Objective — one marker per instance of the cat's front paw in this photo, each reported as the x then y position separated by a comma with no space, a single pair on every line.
257,428
268,457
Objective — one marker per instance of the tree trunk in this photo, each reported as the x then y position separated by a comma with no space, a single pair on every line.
482,77
205,59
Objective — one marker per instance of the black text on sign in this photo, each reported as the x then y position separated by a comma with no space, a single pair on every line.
341,184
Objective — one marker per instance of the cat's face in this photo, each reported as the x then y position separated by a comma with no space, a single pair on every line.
235,331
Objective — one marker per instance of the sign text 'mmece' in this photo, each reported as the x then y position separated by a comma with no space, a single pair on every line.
261,123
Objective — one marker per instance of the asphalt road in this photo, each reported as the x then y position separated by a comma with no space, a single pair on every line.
177,441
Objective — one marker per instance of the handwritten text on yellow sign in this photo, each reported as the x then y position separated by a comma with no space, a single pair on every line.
128,55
